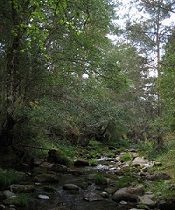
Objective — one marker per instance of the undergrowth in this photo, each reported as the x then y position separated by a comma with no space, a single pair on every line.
10,176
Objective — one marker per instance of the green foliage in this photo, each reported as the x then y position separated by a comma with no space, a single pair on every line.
167,84
100,179
93,162
126,157
149,149
126,181
161,189
97,149
167,158
9,176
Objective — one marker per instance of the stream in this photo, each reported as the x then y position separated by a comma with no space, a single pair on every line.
57,187
88,197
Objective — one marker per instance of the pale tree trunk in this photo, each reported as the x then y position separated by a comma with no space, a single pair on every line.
158,68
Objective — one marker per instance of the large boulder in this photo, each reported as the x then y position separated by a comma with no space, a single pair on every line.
124,195
128,194
147,200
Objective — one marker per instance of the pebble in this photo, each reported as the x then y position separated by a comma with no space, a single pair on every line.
123,203
44,197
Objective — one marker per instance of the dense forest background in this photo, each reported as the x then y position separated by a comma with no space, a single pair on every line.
63,79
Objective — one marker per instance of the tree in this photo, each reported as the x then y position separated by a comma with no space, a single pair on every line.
151,34
167,84
47,44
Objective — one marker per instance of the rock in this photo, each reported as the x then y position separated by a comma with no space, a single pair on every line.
104,194
157,163
44,197
123,203
75,172
91,196
38,162
172,187
59,168
44,178
135,154
124,194
158,176
46,165
81,163
71,187
139,161
60,208
22,188
2,207
111,190
147,200
136,209
138,190
9,194
132,150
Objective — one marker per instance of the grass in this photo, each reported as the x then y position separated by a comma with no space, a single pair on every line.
168,159
126,157
21,200
93,162
100,179
126,181
161,188
8,177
